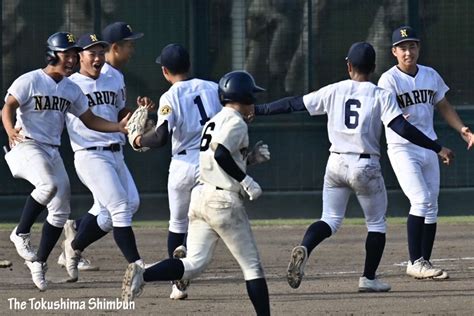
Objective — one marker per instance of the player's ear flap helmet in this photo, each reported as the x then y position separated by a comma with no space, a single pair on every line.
238,86
59,42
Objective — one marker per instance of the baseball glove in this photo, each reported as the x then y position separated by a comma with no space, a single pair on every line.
136,127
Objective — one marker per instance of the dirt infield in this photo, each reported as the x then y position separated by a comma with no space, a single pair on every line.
329,287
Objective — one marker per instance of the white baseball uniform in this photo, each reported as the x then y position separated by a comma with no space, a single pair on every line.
416,168
44,104
98,157
354,111
217,210
187,106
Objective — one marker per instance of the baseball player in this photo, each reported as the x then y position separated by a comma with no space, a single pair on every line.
121,39
182,113
41,99
418,90
99,160
354,108
216,209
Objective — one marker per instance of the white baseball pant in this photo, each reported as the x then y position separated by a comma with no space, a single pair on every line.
42,165
417,171
219,214
347,173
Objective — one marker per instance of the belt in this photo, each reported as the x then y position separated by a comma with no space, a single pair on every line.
362,156
217,188
113,148
182,152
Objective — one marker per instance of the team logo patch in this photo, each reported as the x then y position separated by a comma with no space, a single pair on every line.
165,110
403,33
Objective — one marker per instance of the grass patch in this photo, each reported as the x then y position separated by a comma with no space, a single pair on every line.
281,222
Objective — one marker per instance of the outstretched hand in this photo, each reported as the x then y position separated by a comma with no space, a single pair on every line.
468,137
146,102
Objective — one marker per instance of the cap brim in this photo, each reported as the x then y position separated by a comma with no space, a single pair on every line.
408,39
133,36
102,43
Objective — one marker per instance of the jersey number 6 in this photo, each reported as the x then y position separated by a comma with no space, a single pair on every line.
351,115
206,136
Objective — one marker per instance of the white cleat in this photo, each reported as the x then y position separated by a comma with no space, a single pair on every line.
72,260
422,269
22,244
299,256
443,276
84,264
375,285
177,294
38,272
133,283
179,253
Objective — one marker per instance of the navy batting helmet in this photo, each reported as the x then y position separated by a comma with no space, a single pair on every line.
59,42
238,86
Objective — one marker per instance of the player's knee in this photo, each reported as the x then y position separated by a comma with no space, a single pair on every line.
193,268
333,222
431,216
104,221
121,218
133,205
58,219
421,208
255,272
44,193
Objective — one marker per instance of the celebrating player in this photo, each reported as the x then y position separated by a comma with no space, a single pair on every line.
41,100
354,108
418,90
99,161
121,39
182,113
216,209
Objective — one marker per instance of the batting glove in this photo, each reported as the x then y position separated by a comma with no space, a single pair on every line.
251,188
260,153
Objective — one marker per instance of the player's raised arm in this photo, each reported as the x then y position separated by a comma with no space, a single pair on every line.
285,105
406,130
99,124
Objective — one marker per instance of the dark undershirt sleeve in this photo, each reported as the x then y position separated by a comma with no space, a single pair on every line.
156,138
403,128
285,105
226,162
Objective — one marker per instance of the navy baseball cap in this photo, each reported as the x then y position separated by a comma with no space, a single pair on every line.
361,55
404,34
90,39
119,31
174,57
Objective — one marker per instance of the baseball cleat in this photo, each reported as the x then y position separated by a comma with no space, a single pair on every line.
72,260
299,256
38,272
22,244
422,269
443,276
375,285
179,253
84,263
133,283
177,294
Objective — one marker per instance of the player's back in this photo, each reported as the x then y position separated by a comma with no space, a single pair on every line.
191,104
355,111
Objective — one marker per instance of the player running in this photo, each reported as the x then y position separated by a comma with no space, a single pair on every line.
182,113
41,99
217,210
418,89
354,108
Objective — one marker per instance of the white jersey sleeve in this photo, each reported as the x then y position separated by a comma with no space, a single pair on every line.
316,100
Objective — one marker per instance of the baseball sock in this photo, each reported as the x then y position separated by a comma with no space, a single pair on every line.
174,240
258,292
315,234
374,246
31,211
125,239
49,237
429,233
166,270
415,235
89,232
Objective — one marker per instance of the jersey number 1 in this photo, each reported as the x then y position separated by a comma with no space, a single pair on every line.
197,100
